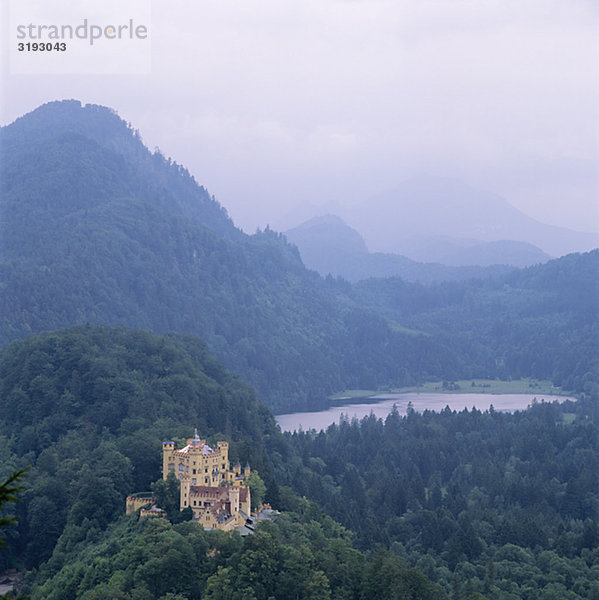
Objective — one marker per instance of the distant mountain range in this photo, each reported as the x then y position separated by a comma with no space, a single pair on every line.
95,228
330,246
430,219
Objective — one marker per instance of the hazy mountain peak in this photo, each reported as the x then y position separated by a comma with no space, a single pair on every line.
327,234
327,219
328,245
71,116
424,209
99,141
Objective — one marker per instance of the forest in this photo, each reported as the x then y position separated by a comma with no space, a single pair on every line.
86,409
97,229
504,505
133,310
456,505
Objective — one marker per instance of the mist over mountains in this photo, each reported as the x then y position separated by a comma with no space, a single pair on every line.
94,228
330,246
97,229
432,219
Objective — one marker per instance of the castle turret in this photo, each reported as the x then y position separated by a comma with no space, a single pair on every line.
224,450
234,499
196,438
168,449
184,491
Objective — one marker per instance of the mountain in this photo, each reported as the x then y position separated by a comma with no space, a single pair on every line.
542,321
109,162
96,229
424,217
328,245
459,252
329,233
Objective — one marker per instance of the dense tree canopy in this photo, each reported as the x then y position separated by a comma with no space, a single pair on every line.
479,502
300,556
88,408
506,505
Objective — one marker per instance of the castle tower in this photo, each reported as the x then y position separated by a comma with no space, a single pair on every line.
184,491
168,450
224,450
196,441
234,499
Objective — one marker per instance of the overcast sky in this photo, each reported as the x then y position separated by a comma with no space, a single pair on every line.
284,109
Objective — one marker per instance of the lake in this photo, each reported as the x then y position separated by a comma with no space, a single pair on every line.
382,405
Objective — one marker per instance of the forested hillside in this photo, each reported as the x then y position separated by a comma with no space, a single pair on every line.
502,505
542,321
87,408
96,229
302,555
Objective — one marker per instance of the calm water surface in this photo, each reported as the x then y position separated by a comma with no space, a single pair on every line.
383,404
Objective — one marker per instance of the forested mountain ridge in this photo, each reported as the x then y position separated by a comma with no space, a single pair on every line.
107,151
96,229
87,409
542,321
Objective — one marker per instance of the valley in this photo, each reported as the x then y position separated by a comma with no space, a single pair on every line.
135,311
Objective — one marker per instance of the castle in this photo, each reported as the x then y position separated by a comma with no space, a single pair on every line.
216,494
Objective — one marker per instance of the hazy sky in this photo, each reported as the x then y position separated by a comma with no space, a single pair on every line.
284,109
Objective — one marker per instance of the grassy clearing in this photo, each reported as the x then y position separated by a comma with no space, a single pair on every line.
468,386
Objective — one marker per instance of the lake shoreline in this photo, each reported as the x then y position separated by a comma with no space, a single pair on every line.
481,386
383,403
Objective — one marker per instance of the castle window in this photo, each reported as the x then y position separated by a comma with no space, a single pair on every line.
207,479
181,468
194,481
194,471
195,503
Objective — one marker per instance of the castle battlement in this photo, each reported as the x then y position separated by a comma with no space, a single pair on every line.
136,501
